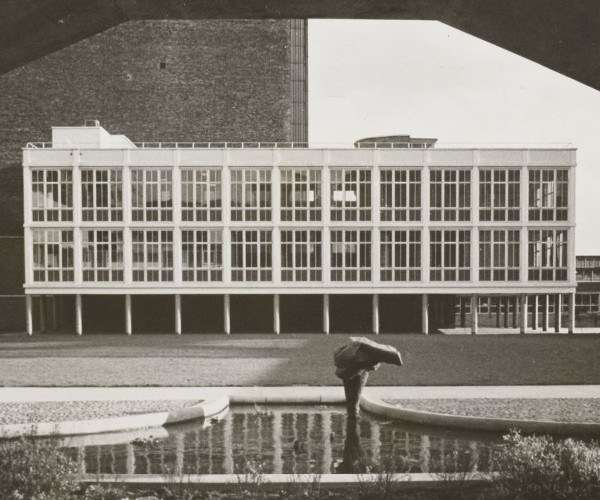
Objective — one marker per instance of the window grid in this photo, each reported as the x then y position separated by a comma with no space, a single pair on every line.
151,195
350,255
53,255
251,256
200,195
587,302
450,255
499,195
152,255
300,194
101,195
102,253
350,194
499,258
400,195
202,255
548,255
52,195
450,195
301,255
251,194
548,194
400,252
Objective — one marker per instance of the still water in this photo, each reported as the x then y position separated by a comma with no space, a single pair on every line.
285,440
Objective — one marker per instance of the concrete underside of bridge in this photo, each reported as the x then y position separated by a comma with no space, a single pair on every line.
564,36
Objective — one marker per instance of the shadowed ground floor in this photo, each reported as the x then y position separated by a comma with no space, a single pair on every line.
308,313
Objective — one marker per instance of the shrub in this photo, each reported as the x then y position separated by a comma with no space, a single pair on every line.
539,467
34,469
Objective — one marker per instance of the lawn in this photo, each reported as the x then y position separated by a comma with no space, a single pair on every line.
247,360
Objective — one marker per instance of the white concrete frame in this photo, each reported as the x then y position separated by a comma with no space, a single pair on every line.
275,159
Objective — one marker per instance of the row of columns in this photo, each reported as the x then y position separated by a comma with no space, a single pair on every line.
522,301
523,309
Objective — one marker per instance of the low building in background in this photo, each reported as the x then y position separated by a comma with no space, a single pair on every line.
397,236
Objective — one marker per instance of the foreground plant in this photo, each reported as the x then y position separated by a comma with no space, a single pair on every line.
35,469
540,467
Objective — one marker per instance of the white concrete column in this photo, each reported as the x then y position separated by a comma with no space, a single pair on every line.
29,314
176,195
572,313
425,202
557,312
277,444
474,318
546,313
523,311
226,217
326,314
130,460
375,313
327,454
42,313
227,314
78,315
534,313
127,239
178,314
425,314
128,329
276,323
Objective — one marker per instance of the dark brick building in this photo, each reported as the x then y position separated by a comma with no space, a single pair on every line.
202,80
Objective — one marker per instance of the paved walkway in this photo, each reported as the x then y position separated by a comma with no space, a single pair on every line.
325,394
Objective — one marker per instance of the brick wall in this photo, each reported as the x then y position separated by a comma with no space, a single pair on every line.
152,81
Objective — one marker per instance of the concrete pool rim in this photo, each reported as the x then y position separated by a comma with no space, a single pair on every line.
217,400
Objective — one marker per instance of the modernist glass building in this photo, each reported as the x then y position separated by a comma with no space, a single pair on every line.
426,237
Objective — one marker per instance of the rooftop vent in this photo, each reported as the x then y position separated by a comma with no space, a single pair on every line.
92,123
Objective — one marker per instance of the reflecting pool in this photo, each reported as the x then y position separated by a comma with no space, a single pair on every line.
285,440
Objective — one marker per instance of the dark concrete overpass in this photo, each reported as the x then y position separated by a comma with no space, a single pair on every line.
562,35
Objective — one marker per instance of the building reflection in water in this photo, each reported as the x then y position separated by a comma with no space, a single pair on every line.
288,440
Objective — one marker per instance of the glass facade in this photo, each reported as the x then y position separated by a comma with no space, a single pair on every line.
450,195
548,255
51,195
400,194
350,255
450,255
251,194
200,194
102,254
301,255
53,255
349,247
152,255
202,255
251,255
499,194
151,195
101,195
350,194
499,255
548,194
400,255
300,194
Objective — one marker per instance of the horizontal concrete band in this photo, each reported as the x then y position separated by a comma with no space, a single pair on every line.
381,408
206,481
203,410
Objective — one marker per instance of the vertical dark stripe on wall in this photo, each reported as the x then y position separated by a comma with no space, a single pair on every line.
299,80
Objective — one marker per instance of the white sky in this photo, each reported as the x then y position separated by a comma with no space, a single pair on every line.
426,79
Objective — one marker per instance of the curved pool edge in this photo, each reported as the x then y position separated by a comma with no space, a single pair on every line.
380,408
203,410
